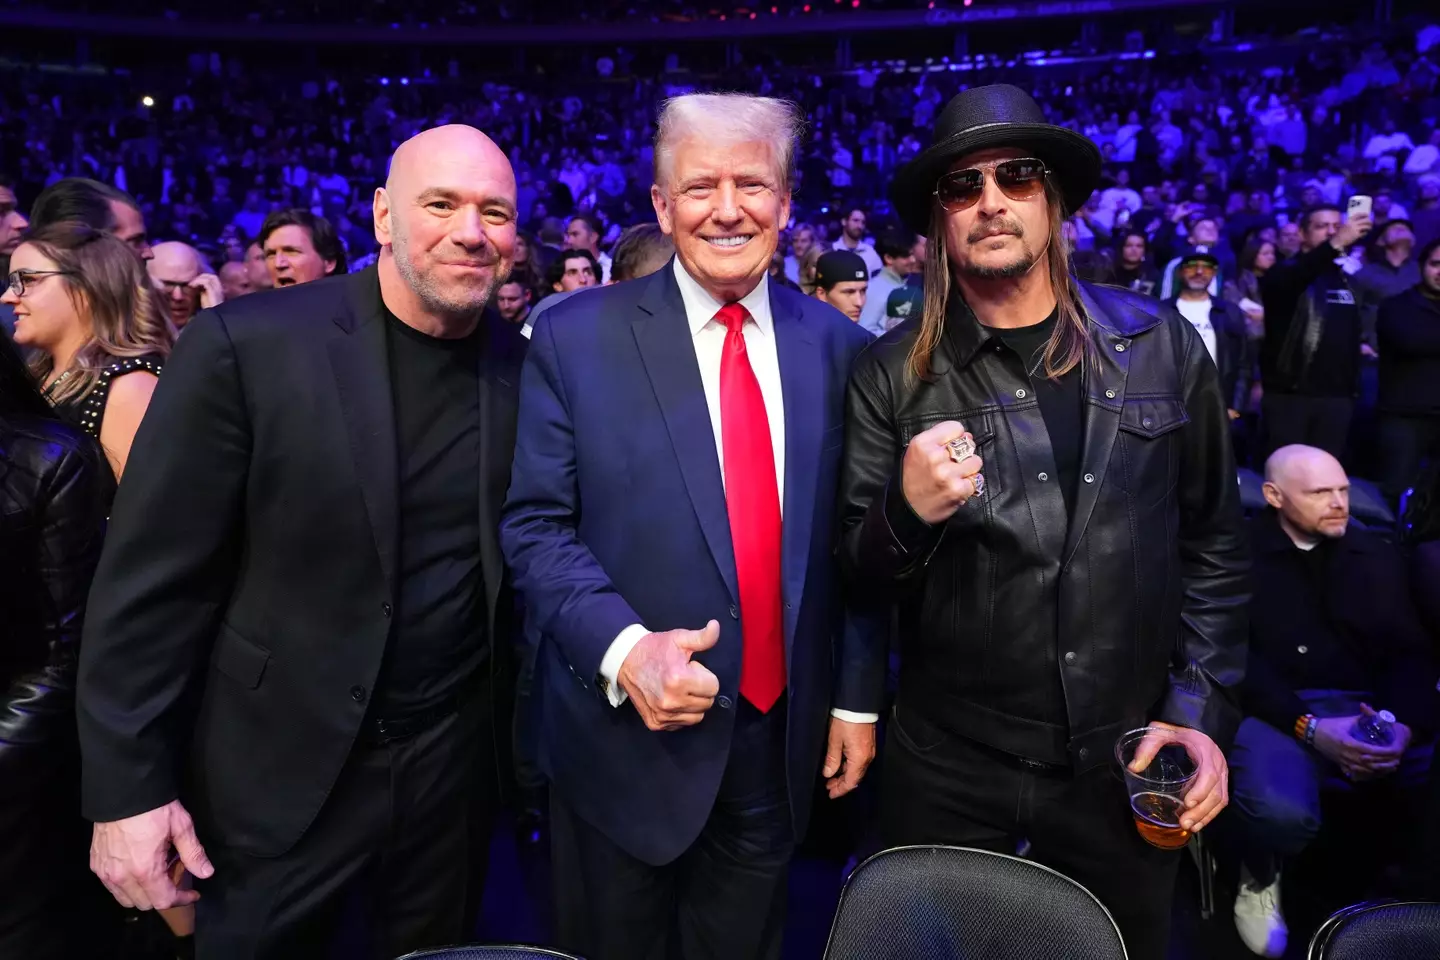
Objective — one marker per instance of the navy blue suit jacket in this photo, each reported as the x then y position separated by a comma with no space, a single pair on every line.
616,516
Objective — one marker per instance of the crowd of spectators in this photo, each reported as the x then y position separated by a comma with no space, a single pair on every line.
1228,191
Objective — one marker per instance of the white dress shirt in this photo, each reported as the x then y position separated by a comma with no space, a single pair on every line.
708,337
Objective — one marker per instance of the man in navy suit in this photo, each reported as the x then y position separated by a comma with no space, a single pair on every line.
669,525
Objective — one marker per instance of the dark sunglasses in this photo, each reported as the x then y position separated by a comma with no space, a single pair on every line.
1020,179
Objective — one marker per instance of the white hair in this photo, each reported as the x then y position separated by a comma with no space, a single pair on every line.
725,119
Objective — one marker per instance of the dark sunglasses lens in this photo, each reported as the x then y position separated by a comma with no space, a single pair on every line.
1020,179
960,189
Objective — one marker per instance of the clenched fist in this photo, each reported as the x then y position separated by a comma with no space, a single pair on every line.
934,485
668,689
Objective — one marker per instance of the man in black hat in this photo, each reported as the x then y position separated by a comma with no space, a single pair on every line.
1092,579
842,280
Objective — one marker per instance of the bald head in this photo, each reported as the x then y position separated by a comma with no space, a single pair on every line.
175,258
235,280
445,221
173,270
1311,492
454,148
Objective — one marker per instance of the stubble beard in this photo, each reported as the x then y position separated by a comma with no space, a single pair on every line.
430,293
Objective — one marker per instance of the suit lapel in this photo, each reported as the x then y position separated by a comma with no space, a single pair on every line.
360,361
802,387
667,350
1106,375
497,386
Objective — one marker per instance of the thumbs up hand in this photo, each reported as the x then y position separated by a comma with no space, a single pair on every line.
669,690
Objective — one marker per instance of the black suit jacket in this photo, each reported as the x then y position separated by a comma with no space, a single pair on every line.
243,602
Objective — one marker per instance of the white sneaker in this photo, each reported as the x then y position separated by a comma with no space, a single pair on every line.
1257,916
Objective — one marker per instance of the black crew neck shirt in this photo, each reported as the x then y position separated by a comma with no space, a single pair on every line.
1060,400
438,639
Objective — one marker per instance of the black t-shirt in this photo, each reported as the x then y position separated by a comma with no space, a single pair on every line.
1060,400
438,638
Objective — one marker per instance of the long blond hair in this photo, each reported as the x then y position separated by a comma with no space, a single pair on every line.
1070,343
109,287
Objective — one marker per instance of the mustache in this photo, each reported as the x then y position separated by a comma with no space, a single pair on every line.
993,228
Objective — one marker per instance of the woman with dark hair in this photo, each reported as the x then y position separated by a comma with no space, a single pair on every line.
55,492
1132,267
528,268
86,307
1256,260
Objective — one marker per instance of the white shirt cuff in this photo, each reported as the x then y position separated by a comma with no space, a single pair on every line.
614,658
849,716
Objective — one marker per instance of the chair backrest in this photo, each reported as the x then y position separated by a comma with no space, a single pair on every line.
1384,928
1252,491
1368,505
496,952
962,904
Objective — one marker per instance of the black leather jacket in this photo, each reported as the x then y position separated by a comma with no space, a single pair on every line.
1151,570
55,490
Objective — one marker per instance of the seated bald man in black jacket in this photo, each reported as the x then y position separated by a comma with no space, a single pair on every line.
1334,636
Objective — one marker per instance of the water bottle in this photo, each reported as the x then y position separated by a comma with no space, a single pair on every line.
1376,728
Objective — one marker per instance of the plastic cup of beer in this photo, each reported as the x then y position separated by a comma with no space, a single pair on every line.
1157,793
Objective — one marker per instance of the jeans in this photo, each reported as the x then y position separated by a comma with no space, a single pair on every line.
1276,783
941,788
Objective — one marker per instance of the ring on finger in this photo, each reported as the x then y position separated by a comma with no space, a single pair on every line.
960,448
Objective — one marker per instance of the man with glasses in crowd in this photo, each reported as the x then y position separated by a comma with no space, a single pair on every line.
1092,578
1219,324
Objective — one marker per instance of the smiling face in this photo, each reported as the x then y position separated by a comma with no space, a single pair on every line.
723,205
49,314
448,217
996,237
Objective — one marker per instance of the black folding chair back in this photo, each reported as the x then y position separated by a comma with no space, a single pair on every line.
497,952
956,903
1383,928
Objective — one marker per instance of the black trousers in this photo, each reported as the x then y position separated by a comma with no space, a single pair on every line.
1322,422
723,899
1404,443
381,872
51,906
941,788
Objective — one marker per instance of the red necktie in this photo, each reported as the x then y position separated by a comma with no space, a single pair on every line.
753,502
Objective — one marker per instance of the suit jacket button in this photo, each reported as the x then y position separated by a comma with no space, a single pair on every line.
1070,657
1084,754
357,693
386,609
725,702
734,612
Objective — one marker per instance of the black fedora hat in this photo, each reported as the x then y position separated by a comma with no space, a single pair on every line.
999,115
